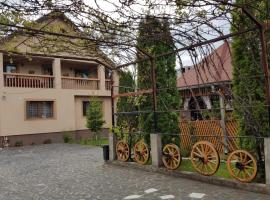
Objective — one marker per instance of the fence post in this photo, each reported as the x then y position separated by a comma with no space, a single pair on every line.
112,145
223,121
156,149
267,161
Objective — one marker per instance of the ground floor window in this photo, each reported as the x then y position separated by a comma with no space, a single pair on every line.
39,109
85,106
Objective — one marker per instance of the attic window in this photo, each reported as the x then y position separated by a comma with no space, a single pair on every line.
10,68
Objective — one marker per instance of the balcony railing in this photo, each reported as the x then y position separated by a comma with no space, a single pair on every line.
28,80
80,83
108,84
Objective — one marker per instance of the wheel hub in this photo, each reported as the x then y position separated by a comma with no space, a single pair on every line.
239,166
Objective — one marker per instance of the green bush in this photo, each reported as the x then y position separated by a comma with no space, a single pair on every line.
18,143
67,137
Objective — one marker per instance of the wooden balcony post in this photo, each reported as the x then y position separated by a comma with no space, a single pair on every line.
1,70
101,76
57,73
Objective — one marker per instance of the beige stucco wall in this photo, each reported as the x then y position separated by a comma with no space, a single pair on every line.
68,110
68,106
80,120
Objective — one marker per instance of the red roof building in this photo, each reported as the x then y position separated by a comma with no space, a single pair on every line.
199,85
215,68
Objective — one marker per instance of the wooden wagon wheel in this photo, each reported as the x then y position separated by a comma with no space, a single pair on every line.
171,156
141,153
205,158
122,150
242,166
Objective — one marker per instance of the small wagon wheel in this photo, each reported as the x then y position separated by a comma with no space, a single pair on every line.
205,158
141,153
171,156
122,150
242,165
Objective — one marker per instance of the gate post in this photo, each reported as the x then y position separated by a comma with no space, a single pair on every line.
156,149
112,145
223,120
267,161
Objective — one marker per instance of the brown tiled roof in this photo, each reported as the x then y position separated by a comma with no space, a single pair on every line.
214,68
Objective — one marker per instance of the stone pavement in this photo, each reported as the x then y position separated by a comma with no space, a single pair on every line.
74,172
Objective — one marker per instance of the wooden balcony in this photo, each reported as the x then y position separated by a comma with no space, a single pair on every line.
28,80
108,84
80,83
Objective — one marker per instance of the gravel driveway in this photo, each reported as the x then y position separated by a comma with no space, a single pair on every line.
75,172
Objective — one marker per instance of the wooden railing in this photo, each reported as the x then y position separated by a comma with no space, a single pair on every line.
28,80
108,84
80,83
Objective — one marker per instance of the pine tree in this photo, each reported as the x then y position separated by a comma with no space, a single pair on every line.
155,38
94,117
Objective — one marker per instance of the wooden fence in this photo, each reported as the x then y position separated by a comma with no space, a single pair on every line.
209,130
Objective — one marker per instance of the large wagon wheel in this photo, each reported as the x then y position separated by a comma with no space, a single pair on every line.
171,156
242,165
205,158
141,153
122,150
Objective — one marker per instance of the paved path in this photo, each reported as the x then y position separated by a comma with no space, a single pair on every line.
74,172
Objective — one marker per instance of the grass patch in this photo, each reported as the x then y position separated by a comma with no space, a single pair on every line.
91,142
186,165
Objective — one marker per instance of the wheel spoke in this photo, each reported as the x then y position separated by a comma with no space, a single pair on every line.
246,163
209,165
197,154
247,172
199,151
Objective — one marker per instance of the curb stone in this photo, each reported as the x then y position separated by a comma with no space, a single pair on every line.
251,187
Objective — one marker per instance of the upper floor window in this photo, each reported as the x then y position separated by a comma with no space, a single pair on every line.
10,68
87,72
39,109
108,73
47,69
